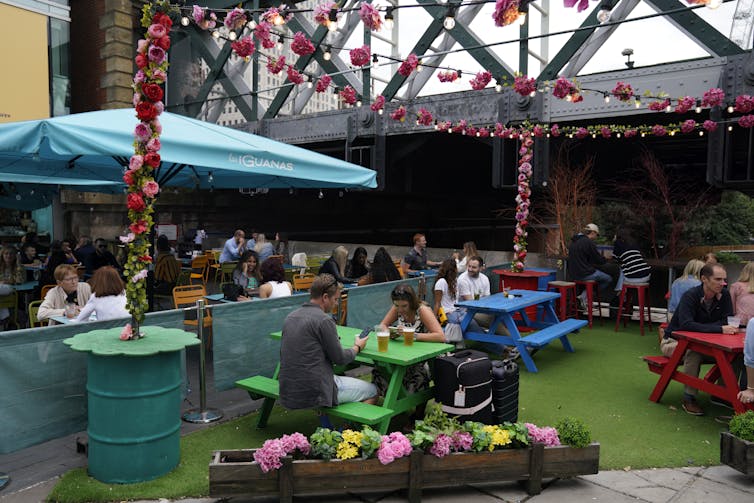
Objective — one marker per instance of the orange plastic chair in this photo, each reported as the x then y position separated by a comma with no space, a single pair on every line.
302,282
186,296
46,289
200,269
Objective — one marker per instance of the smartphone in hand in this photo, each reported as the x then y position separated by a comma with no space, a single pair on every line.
364,333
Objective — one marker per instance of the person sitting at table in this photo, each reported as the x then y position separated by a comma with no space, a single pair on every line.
633,267
704,308
408,310
246,274
309,348
102,256
273,281
689,279
11,273
747,395
83,252
742,294
234,247
166,268
29,257
469,250
65,245
584,263
446,296
108,299
357,266
382,270
336,265
281,246
417,259
69,290
473,285
264,248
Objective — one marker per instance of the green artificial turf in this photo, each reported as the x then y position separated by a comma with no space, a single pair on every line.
605,383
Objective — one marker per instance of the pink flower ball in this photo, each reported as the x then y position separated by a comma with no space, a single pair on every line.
157,31
150,188
136,162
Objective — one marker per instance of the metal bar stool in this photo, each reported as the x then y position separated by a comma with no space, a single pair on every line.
642,290
591,293
567,305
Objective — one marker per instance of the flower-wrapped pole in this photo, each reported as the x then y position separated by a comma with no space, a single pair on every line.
523,199
151,59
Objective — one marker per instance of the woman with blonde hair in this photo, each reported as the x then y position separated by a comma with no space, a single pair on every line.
742,294
108,300
469,250
689,279
336,265
264,248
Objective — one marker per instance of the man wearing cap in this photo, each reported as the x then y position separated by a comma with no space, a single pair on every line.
583,259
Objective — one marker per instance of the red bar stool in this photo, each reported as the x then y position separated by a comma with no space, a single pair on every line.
642,290
591,293
567,305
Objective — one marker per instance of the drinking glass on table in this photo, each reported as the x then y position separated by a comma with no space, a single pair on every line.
734,321
383,336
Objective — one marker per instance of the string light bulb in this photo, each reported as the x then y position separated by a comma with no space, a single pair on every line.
637,103
327,55
701,133
450,19
332,19
698,106
607,99
730,109
185,21
603,15
251,24
498,87
419,66
232,35
521,19
281,43
389,21
321,194
730,128
375,61
668,108
310,84
713,4
215,34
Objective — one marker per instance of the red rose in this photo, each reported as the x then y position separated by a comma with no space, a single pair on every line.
152,159
163,42
141,61
135,202
146,111
139,227
152,91
163,19
128,177
145,258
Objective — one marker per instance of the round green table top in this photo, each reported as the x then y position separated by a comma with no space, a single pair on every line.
156,340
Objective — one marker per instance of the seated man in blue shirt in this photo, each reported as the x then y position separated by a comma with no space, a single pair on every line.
416,259
234,247
704,308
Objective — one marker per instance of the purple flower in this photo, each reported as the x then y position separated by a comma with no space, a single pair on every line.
140,77
441,447
156,54
462,441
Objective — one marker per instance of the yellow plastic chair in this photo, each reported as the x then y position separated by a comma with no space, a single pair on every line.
200,269
186,296
33,310
226,271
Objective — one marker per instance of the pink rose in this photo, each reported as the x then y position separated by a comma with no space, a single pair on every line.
150,188
153,145
157,126
136,162
156,54
141,46
140,77
157,31
159,76
126,333
136,99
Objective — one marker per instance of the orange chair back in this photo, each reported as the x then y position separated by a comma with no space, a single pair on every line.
302,282
45,289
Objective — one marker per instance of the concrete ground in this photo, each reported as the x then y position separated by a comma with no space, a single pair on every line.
34,472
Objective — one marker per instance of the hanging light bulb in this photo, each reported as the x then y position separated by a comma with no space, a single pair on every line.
380,111
232,35
332,19
278,20
498,87
281,43
607,99
375,61
668,108
698,106
327,55
701,133
603,15
185,20
637,103
215,34
521,20
443,1
730,128
310,84
389,21
714,4
730,109
450,19
419,66
321,195
210,178
251,24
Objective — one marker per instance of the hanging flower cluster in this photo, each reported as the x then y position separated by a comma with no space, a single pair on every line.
301,45
204,19
244,47
348,95
623,91
409,65
523,200
151,60
399,115
235,19
481,80
378,104
322,13
582,4
323,83
360,56
370,16
524,85
506,12
447,76
424,117
567,90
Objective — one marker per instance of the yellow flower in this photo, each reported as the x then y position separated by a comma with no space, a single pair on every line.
346,450
352,436
499,437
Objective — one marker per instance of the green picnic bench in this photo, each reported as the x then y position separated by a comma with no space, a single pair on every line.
269,388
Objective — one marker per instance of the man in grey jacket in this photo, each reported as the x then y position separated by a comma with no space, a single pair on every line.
310,347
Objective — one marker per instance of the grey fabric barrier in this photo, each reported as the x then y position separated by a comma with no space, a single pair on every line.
43,381
241,343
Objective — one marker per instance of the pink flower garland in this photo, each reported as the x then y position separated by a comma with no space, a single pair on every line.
399,115
447,76
323,83
522,201
379,103
244,47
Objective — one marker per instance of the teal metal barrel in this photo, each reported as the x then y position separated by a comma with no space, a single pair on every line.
134,416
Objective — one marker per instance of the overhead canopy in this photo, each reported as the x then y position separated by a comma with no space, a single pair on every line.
90,150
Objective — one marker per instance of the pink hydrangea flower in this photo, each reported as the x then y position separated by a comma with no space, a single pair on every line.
659,106
424,117
524,85
685,104
623,91
323,83
379,103
688,126
744,103
294,76
370,17
441,446
205,21
606,132
399,114
262,32
629,133
276,65
322,13
713,97
581,133
710,126
659,130
545,435
301,45
480,80
409,65
235,19
746,121
555,130
348,94
243,47
564,88
447,76
483,132
506,12
360,55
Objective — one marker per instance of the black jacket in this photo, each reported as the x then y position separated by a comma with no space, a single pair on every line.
692,315
582,257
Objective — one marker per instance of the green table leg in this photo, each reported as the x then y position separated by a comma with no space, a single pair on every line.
391,395
265,411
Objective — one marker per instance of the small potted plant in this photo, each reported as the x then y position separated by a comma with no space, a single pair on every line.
737,444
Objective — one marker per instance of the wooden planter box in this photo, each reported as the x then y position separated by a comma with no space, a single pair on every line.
234,473
737,453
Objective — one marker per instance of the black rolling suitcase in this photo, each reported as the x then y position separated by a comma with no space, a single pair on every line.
505,391
463,385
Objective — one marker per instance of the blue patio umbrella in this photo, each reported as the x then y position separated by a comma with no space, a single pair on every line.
91,149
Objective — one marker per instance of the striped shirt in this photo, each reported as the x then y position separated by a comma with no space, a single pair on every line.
632,263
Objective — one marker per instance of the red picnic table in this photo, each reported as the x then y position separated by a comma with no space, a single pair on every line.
723,348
